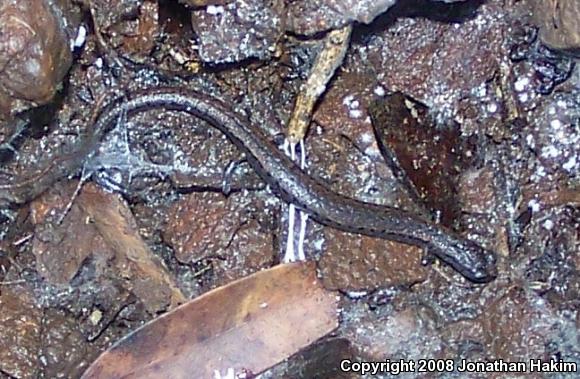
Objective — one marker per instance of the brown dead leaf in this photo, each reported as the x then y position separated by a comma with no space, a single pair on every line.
422,156
61,248
114,221
248,325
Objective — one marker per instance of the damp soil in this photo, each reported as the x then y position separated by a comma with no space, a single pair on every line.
481,117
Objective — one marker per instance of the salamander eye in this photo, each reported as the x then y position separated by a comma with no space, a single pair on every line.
491,260
477,264
487,269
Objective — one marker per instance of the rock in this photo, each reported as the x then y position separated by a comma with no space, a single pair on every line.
34,52
237,31
311,17
559,25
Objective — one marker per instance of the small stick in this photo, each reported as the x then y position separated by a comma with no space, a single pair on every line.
328,60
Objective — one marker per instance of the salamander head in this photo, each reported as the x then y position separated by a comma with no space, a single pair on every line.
475,263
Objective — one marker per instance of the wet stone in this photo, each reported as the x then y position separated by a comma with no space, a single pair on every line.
250,250
483,111
558,22
20,330
555,136
244,244
343,110
452,297
480,205
478,195
537,68
240,30
553,258
350,172
341,147
60,250
60,330
392,334
440,63
479,322
523,83
34,53
314,16
351,262
195,244
517,326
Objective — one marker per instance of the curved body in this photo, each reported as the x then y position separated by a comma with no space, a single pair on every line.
293,185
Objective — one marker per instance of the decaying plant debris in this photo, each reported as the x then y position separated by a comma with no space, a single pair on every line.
96,242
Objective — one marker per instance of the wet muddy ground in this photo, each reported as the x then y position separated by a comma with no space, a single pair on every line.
484,123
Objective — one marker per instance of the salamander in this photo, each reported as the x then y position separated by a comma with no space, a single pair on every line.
295,186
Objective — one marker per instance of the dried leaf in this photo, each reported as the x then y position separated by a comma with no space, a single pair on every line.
248,325
113,219
422,157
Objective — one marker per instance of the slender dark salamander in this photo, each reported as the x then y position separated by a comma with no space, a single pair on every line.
293,185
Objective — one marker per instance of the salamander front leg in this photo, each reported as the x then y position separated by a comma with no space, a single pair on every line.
228,174
429,257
